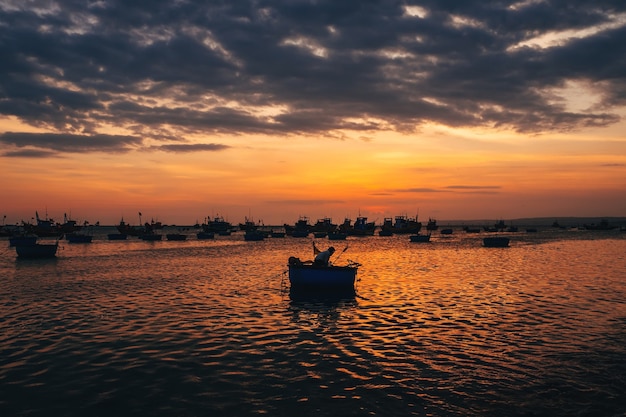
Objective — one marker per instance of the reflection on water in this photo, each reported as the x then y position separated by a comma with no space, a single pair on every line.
207,328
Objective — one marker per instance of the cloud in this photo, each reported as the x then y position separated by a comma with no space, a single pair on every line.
192,147
162,69
29,153
418,190
305,202
483,189
473,187
51,142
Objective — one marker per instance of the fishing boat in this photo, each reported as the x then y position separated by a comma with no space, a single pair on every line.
125,229
37,250
21,240
361,227
306,275
78,238
218,225
205,235
420,238
151,237
603,225
253,235
249,224
401,225
68,225
386,229
324,225
496,242
301,228
117,236
337,236
432,224
44,227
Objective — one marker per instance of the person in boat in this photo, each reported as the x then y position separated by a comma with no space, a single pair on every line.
323,258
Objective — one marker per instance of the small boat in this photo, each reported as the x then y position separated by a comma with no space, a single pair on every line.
176,236
217,225
253,236
447,231
117,236
496,242
126,229
249,224
361,227
420,238
301,228
22,240
300,233
401,225
304,275
432,224
152,237
37,250
78,238
499,225
337,236
205,235
324,225
603,225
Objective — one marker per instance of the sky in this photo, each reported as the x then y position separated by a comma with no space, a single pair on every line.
275,110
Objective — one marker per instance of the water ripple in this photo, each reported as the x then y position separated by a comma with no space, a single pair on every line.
202,328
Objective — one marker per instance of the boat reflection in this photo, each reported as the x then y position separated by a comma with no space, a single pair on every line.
321,309
312,295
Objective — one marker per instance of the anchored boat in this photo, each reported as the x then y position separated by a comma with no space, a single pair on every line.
37,250
496,242
305,275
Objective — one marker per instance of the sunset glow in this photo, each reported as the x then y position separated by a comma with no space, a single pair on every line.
296,110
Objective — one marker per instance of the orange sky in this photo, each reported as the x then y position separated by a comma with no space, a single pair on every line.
441,173
311,109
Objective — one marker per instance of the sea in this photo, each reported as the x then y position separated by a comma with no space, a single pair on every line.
211,328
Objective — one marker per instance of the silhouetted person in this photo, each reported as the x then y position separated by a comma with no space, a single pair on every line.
323,258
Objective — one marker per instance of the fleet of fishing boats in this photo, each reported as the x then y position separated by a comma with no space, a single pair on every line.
304,276
27,233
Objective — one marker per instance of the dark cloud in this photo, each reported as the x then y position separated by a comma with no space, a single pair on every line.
70,143
192,147
161,69
305,202
418,190
29,153
483,189
473,187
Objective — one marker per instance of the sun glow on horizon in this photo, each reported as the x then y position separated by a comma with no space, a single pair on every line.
448,172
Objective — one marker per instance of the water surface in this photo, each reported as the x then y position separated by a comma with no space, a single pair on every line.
200,328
